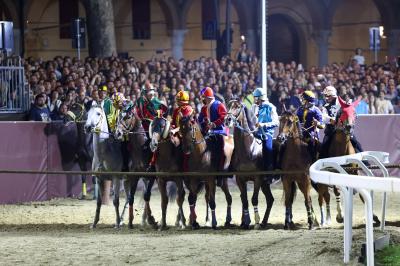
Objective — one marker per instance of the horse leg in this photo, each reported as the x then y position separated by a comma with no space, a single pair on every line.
374,217
164,202
147,210
130,189
207,198
245,203
266,189
327,198
212,187
98,206
254,201
116,188
192,205
96,187
179,201
228,198
339,216
289,190
305,189
321,202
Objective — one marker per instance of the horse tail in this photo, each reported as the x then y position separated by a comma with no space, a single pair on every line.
172,191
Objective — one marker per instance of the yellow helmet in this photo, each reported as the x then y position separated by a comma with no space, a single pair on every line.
182,97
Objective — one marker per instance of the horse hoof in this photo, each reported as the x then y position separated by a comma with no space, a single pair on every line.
117,226
130,226
228,225
182,227
82,197
162,228
377,222
339,219
245,226
208,223
92,226
195,226
289,226
214,227
257,226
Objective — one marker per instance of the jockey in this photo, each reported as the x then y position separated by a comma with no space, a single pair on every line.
147,105
267,121
147,108
331,113
211,119
106,103
183,110
182,99
329,116
310,118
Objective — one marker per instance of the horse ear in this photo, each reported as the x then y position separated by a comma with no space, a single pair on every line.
342,102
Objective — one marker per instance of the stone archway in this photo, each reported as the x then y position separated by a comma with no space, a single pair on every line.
283,39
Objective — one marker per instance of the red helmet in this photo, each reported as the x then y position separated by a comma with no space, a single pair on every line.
207,92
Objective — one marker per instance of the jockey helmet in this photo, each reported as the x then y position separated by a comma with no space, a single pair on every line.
309,96
330,91
118,98
259,93
182,97
207,92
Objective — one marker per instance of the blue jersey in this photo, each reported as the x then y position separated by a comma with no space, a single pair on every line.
267,117
306,117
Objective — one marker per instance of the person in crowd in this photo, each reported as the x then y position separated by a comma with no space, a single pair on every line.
39,111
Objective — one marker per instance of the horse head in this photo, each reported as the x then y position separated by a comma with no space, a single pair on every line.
96,122
348,115
289,126
125,123
158,130
235,108
189,129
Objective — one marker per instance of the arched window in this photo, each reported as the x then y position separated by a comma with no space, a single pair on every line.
68,10
141,23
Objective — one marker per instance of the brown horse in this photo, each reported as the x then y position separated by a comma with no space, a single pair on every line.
130,125
169,159
247,156
341,145
199,160
295,157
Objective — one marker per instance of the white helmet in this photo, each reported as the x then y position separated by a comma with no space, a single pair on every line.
330,91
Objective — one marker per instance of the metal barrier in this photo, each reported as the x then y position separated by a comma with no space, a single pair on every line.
14,91
363,184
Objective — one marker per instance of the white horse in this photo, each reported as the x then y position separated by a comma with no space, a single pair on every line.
106,157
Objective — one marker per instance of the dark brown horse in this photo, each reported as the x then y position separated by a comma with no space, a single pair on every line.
247,156
169,159
129,125
199,160
341,145
295,157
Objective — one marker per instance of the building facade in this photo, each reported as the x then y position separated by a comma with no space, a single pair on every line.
312,32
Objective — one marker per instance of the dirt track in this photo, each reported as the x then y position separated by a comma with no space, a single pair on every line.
57,232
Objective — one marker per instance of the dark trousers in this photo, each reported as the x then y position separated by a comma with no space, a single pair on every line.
267,152
216,145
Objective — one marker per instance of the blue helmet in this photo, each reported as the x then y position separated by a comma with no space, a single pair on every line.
259,92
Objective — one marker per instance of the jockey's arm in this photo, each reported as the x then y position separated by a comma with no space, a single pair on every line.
319,120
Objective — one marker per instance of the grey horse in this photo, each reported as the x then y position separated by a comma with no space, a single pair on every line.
106,157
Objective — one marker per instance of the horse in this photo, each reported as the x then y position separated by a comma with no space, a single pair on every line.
169,159
341,145
199,160
295,157
75,145
248,156
107,157
129,125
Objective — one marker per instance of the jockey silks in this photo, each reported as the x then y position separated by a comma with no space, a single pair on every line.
215,113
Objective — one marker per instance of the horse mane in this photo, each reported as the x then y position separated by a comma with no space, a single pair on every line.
298,125
250,117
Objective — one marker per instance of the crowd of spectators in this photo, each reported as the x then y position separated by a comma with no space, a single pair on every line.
64,80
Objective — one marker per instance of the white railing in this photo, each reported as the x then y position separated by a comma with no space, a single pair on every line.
365,185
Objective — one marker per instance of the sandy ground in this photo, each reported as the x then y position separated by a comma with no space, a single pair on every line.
57,232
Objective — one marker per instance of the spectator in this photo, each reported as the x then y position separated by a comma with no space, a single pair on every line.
382,105
39,111
359,57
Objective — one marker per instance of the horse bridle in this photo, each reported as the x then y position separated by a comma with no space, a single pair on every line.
236,123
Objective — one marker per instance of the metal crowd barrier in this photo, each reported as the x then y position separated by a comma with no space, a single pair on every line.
14,90
365,185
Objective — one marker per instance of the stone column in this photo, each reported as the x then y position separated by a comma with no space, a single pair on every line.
393,42
178,41
321,38
100,27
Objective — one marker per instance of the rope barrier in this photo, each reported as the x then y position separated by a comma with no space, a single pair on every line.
144,174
